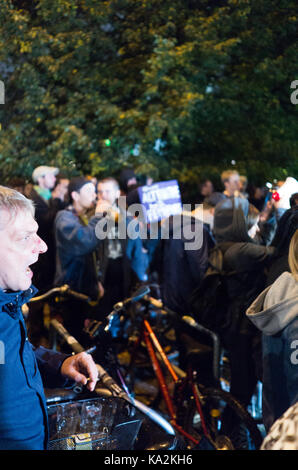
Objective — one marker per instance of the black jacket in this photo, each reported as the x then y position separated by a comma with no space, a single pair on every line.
244,260
45,213
182,268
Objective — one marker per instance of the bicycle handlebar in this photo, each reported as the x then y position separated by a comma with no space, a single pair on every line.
65,289
216,342
193,324
155,302
138,295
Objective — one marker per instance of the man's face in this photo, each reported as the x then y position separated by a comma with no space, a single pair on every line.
49,180
63,186
108,192
233,184
86,196
207,188
20,246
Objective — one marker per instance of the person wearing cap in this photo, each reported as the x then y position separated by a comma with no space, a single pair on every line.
47,203
76,242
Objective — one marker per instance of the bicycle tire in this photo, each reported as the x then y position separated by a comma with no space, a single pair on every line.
215,401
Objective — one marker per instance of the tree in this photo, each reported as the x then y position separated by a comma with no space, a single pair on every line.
175,88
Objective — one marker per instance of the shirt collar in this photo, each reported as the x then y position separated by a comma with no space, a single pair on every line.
17,297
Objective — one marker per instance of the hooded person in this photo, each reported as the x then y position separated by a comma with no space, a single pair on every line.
275,313
127,180
244,263
186,243
182,262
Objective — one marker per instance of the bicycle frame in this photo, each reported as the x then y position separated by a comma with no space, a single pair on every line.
154,349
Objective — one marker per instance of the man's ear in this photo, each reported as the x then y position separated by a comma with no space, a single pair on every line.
74,195
39,180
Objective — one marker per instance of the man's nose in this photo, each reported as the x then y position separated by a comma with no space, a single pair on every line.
40,245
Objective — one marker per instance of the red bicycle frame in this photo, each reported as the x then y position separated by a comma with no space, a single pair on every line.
152,342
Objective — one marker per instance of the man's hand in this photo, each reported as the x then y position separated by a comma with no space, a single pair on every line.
102,206
59,192
266,212
82,369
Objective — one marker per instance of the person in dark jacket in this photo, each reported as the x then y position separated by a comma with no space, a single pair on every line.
183,252
47,204
275,314
24,371
183,265
76,244
244,262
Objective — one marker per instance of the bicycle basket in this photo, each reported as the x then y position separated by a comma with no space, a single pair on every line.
93,424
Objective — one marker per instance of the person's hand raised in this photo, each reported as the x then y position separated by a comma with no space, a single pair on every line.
102,206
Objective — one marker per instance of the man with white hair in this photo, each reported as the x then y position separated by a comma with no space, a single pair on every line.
25,371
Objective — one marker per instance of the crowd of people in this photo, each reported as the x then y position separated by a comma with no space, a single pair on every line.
58,218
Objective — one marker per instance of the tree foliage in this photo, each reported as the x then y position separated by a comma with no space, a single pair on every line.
180,88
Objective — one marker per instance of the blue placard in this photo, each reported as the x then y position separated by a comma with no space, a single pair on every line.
160,200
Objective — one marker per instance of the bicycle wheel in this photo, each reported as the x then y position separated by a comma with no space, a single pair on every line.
228,423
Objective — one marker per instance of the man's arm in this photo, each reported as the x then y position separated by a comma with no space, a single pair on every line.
58,369
49,364
72,235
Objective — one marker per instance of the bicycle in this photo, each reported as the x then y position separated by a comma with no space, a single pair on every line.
210,407
196,412
140,418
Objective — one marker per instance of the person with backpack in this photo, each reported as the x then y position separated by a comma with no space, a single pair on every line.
243,265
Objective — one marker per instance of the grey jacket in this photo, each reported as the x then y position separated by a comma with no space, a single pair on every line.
275,313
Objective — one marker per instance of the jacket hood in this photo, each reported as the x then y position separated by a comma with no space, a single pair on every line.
276,306
230,220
